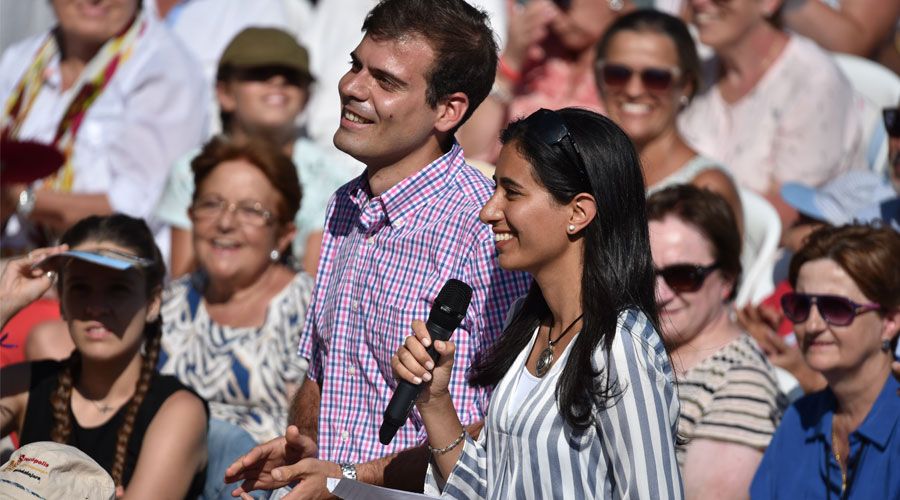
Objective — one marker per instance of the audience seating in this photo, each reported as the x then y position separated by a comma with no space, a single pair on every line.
881,89
762,232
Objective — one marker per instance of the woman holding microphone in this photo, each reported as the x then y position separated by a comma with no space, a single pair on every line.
585,403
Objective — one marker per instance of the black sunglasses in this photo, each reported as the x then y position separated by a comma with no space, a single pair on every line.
834,309
892,121
654,79
265,73
686,278
551,129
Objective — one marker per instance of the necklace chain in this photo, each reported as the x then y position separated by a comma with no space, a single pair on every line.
545,359
837,456
552,343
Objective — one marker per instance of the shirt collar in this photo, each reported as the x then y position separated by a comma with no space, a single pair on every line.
410,193
881,420
878,424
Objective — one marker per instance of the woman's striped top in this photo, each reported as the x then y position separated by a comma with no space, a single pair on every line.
533,453
731,396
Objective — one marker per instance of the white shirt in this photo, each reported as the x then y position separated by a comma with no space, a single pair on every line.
799,123
144,119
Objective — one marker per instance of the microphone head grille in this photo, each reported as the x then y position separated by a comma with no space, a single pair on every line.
455,296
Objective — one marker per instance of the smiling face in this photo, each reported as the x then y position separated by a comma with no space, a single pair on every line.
643,113
227,248
385,117
528,223
685,315
94,21
721,24
105,309
838,349
270,105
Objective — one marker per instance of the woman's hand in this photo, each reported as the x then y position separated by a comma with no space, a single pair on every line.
21,283
413,364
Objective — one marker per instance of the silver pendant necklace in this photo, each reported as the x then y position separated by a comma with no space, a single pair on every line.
545,360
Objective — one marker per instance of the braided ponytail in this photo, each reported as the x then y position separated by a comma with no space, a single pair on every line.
61,399
153,334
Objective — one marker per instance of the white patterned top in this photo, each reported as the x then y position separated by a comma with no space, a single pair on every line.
242,372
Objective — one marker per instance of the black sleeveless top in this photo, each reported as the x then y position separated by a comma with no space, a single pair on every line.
99,443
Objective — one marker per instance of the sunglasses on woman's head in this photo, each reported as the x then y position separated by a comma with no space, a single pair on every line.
685,278
551,129
654,79
834,309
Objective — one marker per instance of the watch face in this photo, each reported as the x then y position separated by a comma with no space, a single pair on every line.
348,471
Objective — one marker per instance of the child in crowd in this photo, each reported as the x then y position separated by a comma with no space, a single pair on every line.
263,84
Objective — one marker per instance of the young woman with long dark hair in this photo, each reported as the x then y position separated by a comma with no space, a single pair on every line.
585,404
147,430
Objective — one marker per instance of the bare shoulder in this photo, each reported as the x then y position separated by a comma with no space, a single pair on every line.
715,180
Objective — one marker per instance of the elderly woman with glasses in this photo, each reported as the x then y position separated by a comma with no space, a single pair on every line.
233,327
647,71
730,401
844,441
584,405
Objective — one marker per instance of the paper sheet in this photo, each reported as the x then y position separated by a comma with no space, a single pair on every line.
349,489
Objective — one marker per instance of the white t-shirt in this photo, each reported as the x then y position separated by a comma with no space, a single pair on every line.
144,120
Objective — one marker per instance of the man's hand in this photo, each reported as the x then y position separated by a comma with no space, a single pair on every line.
311,474
259,469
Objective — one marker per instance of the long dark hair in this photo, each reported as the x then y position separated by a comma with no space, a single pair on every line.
618,270
134,235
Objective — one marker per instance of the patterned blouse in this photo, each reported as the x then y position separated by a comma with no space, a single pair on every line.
532,453
242,372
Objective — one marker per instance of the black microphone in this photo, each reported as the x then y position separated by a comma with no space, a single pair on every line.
446,314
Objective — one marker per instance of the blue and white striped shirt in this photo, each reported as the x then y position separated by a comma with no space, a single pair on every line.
533,453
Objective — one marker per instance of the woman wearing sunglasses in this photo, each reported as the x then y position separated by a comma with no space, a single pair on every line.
584,405
844,441
647,71
730,402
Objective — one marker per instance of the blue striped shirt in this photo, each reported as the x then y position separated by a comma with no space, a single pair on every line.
533,453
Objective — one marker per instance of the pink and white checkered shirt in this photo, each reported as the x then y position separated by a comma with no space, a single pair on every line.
383,262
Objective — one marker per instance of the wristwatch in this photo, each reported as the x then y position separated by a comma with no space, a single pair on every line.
348,470
26,202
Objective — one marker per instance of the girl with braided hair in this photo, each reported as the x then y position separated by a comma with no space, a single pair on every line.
146,429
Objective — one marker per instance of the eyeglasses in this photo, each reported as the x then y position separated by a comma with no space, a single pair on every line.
835,310
686,278
551,129
266,73
247,212
654,79
892,121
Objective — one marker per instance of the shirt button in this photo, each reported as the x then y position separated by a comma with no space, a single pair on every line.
355,305
370,240
351,371
345,436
